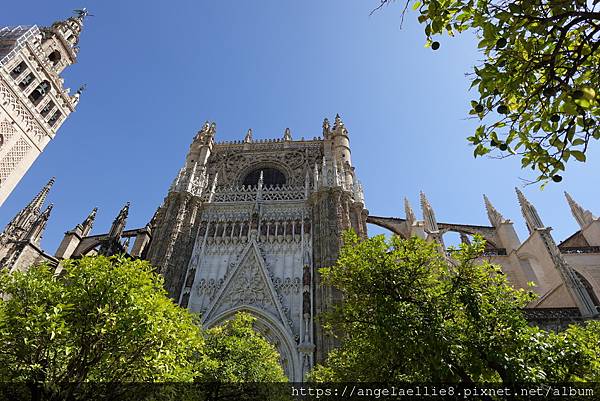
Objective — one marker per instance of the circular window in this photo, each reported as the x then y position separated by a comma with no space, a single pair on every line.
271,177
54,57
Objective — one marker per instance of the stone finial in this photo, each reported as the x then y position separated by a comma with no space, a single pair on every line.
261,179
119,223
248,137
359,193
338,122
411,219
496,219
87,224
35,232
316,176
40,198
583,216
205,128
532,218
38,227
326,128
336,176
306,183
428,215
21,223
287,135
152,223
206,133
213,188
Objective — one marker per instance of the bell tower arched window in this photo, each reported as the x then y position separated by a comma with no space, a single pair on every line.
271,177
38,93
18,69
54,57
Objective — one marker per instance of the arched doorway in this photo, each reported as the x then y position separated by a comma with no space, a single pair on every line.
275,332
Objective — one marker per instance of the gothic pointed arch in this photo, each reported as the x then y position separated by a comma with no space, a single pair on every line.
249,284
273,331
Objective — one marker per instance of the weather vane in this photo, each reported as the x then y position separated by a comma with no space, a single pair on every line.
82,13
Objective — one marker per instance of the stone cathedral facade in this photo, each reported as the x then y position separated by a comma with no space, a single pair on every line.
246,225
33,101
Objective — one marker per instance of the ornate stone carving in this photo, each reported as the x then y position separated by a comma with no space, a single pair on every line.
287,285
233,166
31,125
248,288
209,287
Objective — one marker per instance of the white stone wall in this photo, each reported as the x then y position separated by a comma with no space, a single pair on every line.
259,270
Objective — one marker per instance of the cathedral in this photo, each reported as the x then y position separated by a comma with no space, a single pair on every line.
246,225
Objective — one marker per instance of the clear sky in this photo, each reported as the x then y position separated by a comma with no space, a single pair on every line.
156,70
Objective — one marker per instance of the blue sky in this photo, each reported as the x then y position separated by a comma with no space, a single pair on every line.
156,70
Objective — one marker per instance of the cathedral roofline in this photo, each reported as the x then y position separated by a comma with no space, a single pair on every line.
281,141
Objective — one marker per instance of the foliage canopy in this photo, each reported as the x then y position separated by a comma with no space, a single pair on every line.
539,83
411,314
106,320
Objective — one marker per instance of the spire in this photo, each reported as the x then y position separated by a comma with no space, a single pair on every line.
496,219
23,221
315,177
152,223
87,224
37,229
428,215
531,215
40,198
287,135
248,137
583,216
119,223
111,244
408,211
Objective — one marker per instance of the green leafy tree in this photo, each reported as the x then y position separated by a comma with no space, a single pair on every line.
109,320
539,80
240,354
412,314
102,320
243,365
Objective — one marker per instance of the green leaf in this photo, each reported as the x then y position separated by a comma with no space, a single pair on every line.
579,155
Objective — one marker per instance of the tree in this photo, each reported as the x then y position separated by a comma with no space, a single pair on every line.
102,320
412,314
109,320
540,78
243,365
240,354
